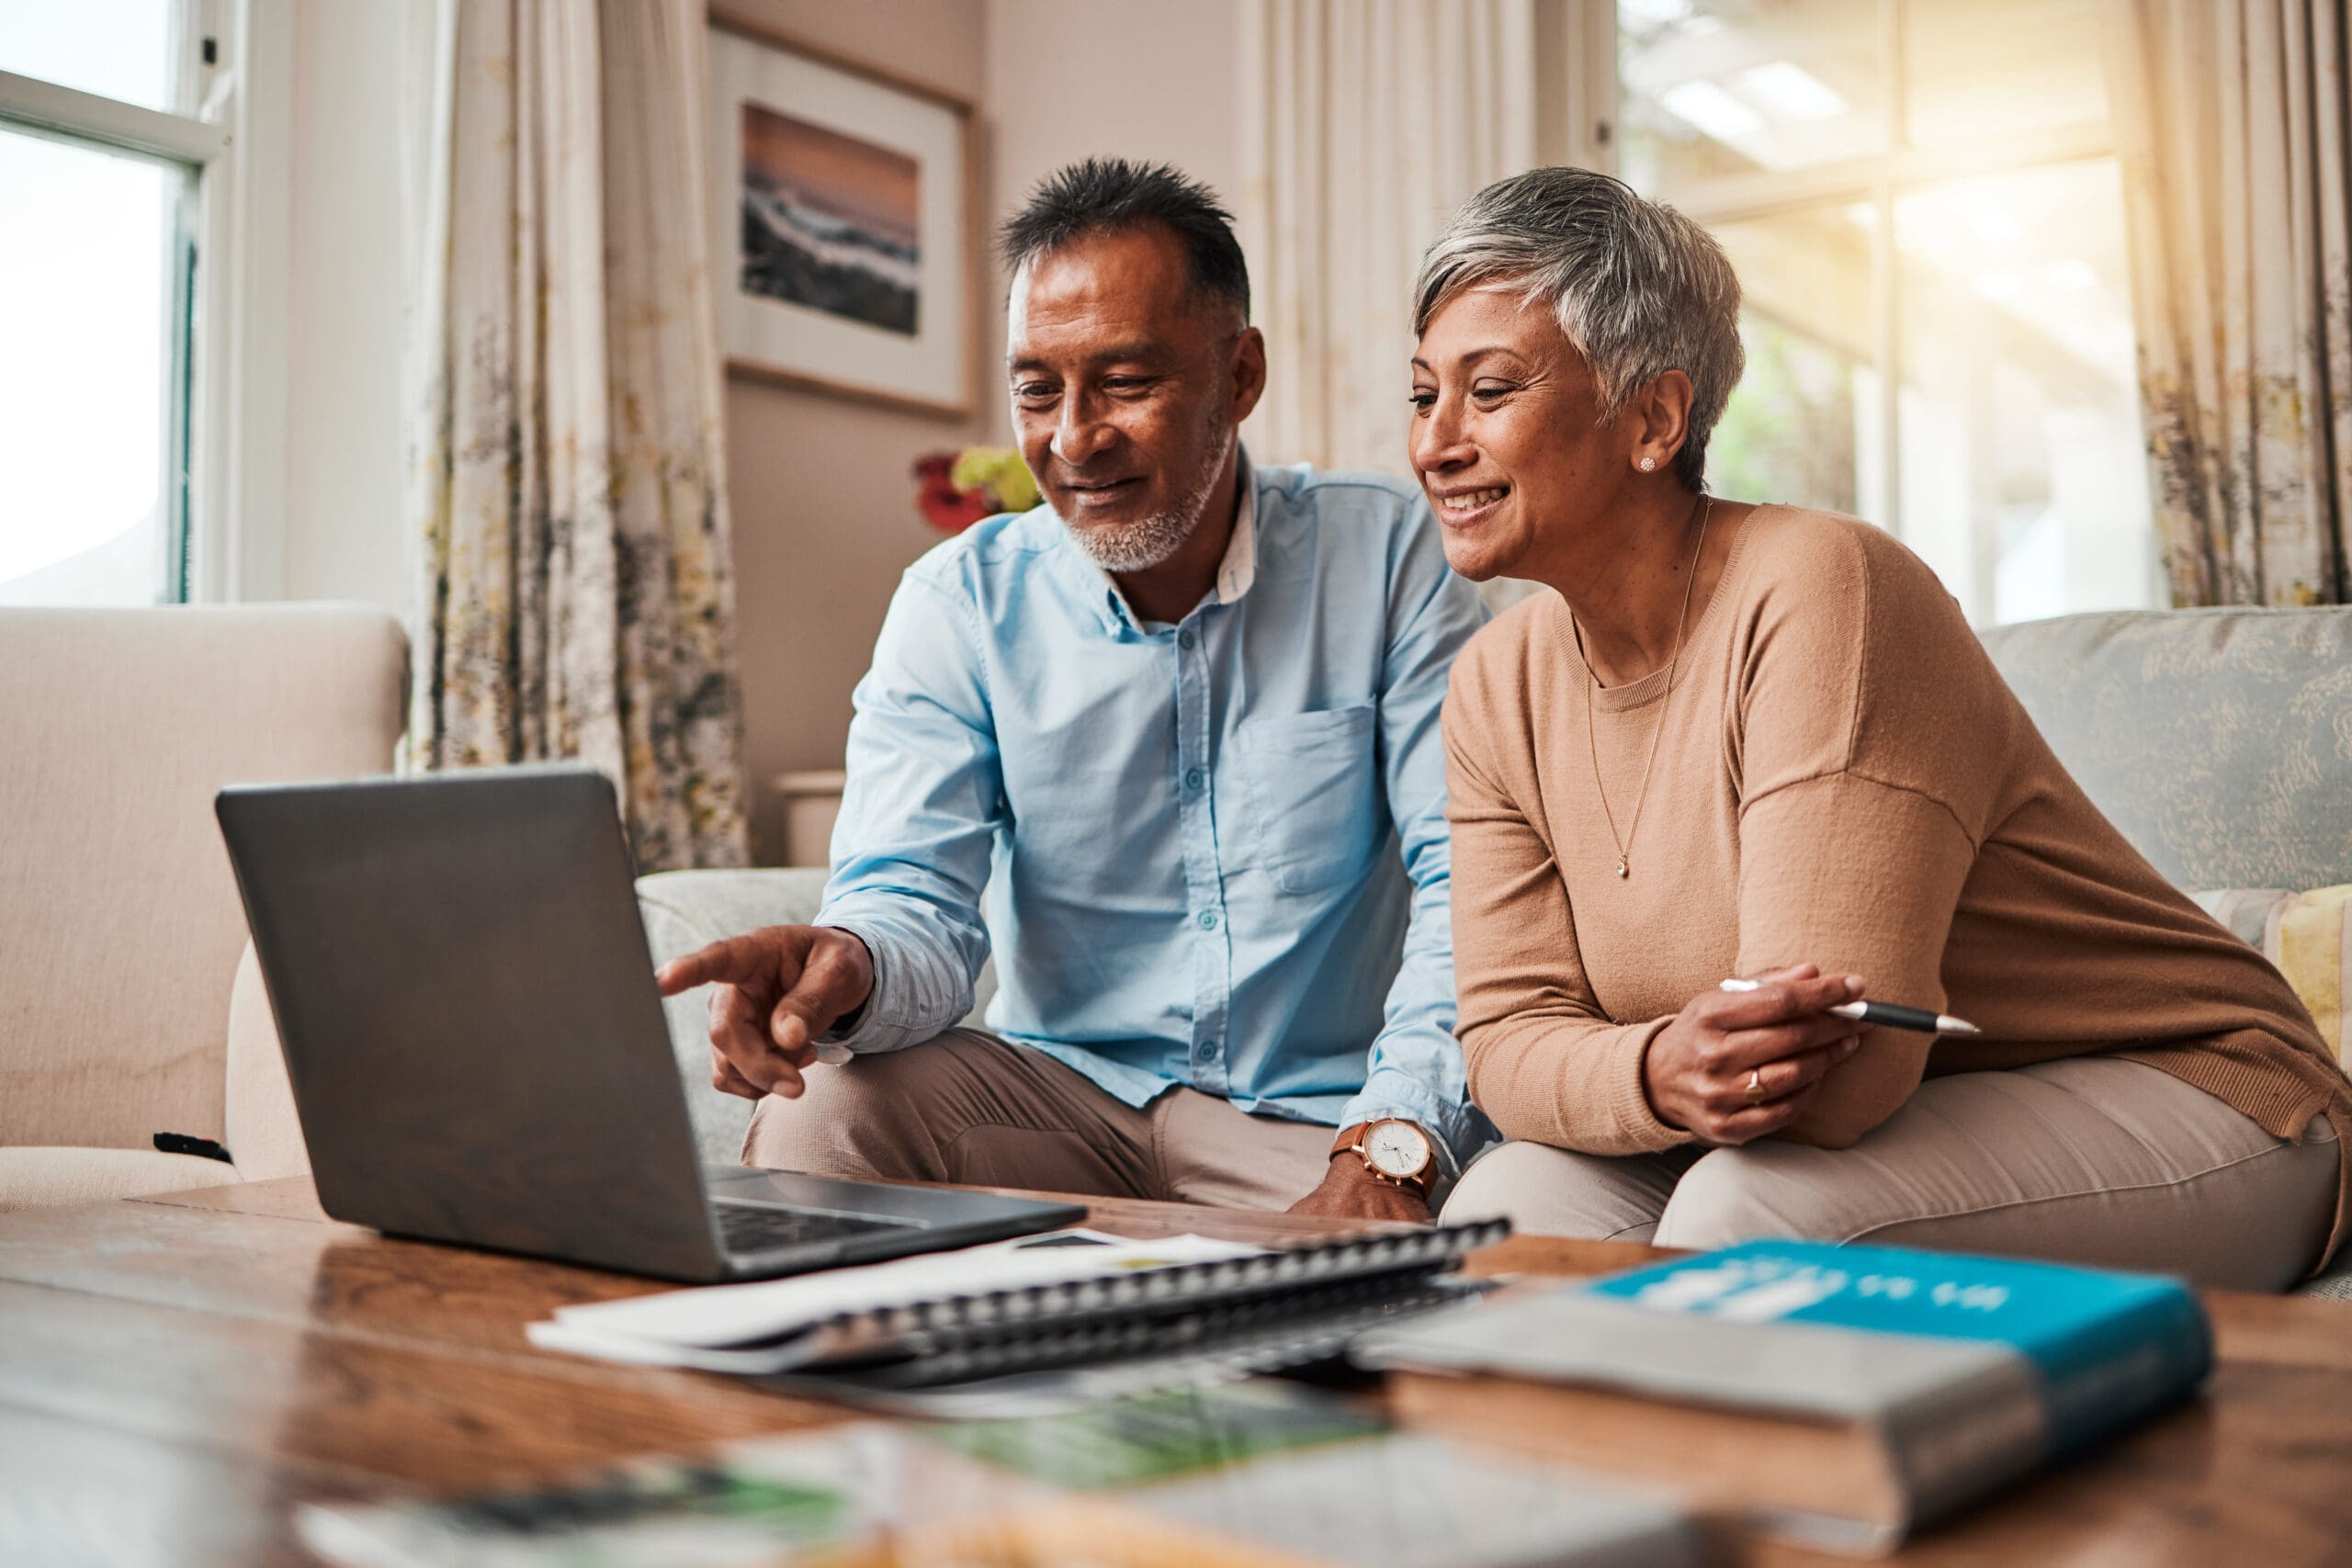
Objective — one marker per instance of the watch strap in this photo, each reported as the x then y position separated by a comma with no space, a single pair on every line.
1350,1141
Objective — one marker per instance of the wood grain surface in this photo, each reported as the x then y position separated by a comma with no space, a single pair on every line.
176,1373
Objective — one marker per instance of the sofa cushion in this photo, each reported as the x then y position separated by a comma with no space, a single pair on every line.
2303,934
2305,937
121,924
2219,742
2245,911
265,1136
684,910
36,1177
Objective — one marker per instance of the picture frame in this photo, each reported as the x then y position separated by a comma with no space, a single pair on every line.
843,250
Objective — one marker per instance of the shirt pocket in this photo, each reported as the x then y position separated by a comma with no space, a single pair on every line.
1314,785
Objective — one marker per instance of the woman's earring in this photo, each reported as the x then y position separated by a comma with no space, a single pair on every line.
1648,463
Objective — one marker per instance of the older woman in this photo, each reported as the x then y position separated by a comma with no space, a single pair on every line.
1758,741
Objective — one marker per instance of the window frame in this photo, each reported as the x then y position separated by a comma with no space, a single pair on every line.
226,514
1880,179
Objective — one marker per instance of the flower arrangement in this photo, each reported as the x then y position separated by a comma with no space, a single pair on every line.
955,490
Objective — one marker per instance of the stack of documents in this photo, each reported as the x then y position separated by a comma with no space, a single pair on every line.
1040,1320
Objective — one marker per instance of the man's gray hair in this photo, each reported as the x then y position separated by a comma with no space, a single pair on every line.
1638,288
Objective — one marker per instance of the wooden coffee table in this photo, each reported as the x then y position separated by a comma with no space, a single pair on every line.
178,1371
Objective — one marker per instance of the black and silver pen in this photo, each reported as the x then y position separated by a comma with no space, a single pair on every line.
1886,1015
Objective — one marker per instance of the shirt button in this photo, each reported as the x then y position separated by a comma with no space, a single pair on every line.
1205,919
1193,777
1183,639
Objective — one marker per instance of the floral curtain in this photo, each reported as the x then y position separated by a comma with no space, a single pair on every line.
2234,129
570,486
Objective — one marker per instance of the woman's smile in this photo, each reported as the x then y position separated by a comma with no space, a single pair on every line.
1467,508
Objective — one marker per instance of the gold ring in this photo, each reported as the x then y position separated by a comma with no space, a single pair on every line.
1755,1086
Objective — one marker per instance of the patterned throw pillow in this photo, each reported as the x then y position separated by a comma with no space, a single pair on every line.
2304,934
2245,911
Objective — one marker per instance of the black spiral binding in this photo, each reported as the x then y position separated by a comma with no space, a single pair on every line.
1154,1311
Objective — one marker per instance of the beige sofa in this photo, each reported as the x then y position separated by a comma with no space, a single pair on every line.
119,924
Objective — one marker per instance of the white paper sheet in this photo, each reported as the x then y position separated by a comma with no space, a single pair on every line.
752,1317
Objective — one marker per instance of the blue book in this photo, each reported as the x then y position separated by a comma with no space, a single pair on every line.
1844,1394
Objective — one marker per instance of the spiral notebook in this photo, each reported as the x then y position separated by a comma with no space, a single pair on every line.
1039,1323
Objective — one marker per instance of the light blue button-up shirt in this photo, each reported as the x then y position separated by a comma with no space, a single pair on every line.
1219,847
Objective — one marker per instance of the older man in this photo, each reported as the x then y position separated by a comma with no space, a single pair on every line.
1186,713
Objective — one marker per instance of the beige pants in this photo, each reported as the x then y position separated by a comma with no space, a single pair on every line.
969,1107
2091,1159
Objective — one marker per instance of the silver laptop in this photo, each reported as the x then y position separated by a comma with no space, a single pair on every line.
477,1050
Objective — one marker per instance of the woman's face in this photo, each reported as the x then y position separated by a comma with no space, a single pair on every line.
1504,436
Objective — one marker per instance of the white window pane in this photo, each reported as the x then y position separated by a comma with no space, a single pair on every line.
89,396
1714,87
119,49
1801,426
2024,478
1978,68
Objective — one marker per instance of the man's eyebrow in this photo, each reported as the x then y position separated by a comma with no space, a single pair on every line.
1144,353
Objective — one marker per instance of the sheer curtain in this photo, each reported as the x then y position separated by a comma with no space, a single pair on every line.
1364,124
569,482
2234,131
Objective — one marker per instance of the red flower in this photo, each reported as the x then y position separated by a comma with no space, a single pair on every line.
946,508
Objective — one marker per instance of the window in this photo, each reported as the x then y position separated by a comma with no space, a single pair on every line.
108,175
1922,200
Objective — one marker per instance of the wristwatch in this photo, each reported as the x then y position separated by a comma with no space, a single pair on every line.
1394,1151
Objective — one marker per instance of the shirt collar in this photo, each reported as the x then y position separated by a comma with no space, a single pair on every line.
1238,569
1235,573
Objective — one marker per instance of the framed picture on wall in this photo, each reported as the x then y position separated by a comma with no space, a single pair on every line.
841,223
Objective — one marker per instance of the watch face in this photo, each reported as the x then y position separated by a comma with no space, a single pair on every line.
1397,1148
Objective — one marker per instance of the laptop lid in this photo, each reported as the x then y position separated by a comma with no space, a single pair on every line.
467,1007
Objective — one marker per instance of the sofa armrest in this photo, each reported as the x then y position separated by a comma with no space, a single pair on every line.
684,910
259,1125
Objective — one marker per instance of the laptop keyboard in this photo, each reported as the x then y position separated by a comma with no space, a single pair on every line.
761,1227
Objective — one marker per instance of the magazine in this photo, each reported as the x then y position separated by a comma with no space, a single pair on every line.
1257,1475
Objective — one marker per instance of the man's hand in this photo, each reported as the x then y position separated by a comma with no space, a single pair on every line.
774,991
1697,1071
1350,1191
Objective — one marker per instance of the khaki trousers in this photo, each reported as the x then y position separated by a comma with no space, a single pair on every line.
2090,1159
972,1108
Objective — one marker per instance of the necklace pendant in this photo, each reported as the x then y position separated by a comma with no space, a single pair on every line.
1622,873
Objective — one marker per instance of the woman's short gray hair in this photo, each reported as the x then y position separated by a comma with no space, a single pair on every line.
1638,288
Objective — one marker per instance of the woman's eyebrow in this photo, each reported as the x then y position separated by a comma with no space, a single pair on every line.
1473,356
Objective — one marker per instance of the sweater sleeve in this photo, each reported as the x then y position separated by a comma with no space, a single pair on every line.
1867,742
1545,1062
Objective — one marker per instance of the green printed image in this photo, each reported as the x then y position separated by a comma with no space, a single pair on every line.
1155,1437
795,1513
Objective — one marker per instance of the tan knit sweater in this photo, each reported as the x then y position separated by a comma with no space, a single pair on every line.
1842,779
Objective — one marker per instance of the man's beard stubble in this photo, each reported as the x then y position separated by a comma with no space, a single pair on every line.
1150,541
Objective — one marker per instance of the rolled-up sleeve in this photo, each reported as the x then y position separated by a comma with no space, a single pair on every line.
925,799
1414,1071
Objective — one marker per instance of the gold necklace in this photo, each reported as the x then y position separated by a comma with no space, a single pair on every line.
1706,510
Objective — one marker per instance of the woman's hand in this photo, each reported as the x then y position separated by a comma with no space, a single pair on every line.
1697,1070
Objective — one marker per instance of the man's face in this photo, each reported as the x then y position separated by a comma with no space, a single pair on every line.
1128,389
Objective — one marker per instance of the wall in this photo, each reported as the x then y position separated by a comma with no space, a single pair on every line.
824,509
1126,78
